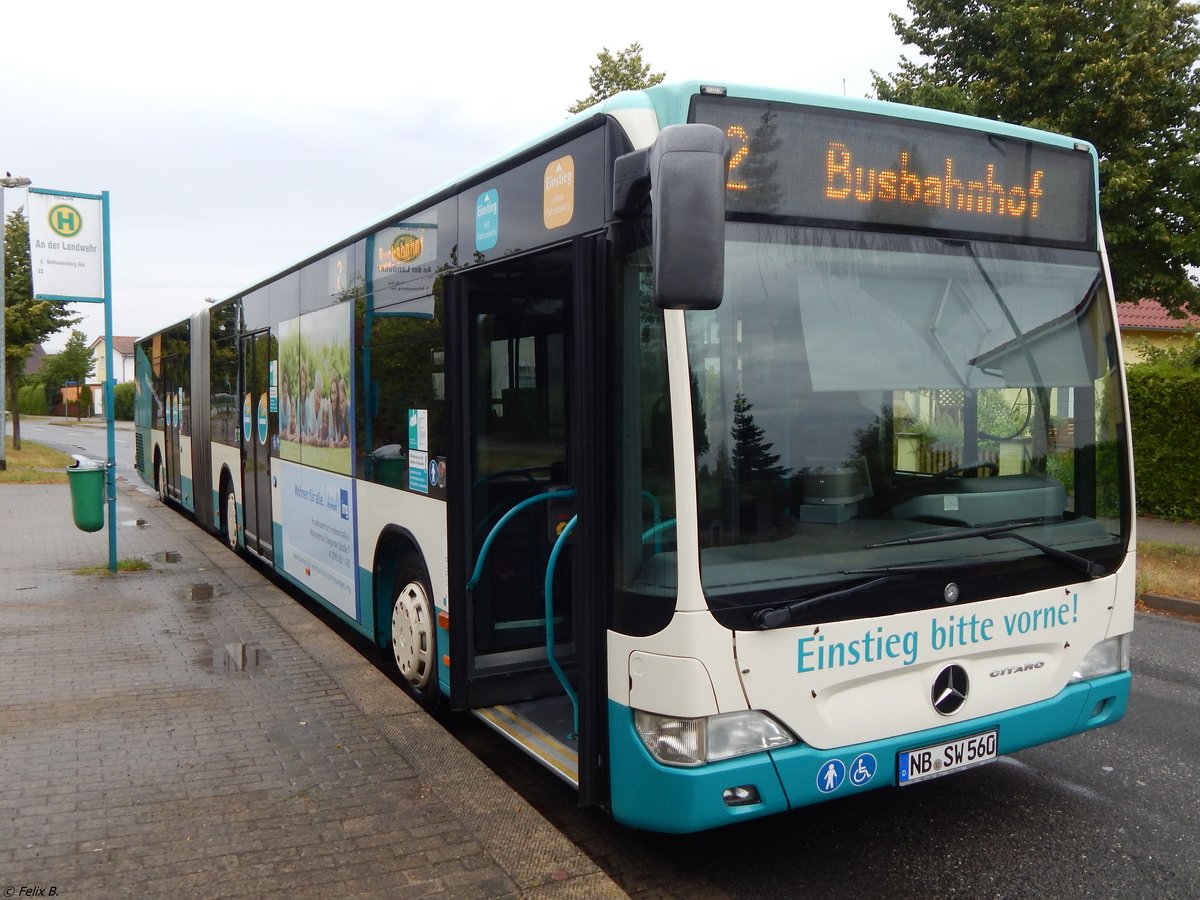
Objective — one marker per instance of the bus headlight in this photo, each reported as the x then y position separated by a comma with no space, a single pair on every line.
1106,658
694,742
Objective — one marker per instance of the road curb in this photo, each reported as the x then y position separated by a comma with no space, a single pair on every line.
1163,603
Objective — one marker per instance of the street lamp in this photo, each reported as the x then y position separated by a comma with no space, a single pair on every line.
8,181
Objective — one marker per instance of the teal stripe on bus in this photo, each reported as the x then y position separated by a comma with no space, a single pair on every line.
647,794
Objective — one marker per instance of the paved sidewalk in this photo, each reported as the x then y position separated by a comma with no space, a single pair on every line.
1183,533
194,732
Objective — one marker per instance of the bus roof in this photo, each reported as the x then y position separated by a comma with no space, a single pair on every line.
642,114
671,102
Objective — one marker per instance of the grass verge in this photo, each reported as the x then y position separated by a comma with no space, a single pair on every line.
34,463
133,564
1168,569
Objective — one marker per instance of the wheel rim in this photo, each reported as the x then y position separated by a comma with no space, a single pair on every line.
412,635
231,522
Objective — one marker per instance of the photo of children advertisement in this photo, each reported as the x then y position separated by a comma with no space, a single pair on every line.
314,389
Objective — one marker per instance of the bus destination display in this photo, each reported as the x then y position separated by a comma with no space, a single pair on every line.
848,167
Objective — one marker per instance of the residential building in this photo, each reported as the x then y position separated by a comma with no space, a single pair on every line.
123,367
1148,322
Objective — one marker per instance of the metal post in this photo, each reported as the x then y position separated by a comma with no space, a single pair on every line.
110,471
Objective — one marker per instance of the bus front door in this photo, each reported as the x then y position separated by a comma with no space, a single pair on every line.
517,447
172,475
258,430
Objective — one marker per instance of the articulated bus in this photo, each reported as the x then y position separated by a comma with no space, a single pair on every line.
727,449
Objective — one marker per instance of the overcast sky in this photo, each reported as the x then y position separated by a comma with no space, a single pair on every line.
236,138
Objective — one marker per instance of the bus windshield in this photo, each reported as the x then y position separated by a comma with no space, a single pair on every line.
858,394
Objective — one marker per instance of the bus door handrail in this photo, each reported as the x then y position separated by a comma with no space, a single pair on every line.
545,497
551,564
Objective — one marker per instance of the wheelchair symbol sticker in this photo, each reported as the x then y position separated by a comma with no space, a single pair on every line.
862,769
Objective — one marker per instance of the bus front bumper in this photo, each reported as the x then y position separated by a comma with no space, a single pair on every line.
647,794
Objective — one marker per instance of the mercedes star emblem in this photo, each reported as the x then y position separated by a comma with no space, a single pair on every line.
950,690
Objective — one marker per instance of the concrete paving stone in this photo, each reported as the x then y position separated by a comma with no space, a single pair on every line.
138,760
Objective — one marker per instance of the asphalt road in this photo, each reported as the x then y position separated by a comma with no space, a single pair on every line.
1110,813
88,438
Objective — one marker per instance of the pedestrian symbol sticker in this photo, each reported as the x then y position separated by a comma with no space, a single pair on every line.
862,769
830,776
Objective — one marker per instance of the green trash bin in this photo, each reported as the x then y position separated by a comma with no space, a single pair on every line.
389,466
86,477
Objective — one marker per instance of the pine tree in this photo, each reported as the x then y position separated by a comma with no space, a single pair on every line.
751,457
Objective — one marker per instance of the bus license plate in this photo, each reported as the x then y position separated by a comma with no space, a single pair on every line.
942,759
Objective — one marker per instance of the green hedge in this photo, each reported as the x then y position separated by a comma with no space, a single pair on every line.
123,399
1164,405
31,400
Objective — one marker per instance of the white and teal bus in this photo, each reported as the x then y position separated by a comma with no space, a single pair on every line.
727,449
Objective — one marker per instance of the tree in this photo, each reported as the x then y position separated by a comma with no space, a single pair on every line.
1119,73
75,363
27,322
612,74
751,457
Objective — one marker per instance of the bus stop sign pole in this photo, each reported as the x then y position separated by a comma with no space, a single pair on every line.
110,470
70,251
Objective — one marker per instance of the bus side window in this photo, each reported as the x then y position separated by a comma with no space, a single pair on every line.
405,362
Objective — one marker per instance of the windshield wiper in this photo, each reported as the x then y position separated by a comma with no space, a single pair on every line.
958,534
1071,560
774,617
918,568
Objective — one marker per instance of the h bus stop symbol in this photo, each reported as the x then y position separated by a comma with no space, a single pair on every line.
65,220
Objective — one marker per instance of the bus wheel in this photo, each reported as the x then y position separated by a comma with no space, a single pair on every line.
160,480
414,635
229,519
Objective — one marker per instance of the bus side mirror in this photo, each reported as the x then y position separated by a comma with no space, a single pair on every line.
684,175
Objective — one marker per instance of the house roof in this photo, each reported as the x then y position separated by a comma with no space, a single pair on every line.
33,363
1150,315
121,344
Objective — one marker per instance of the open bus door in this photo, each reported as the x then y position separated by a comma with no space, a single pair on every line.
522,514
171,476
259,425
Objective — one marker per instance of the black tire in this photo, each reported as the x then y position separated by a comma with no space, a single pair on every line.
160,479
229,523
412,634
